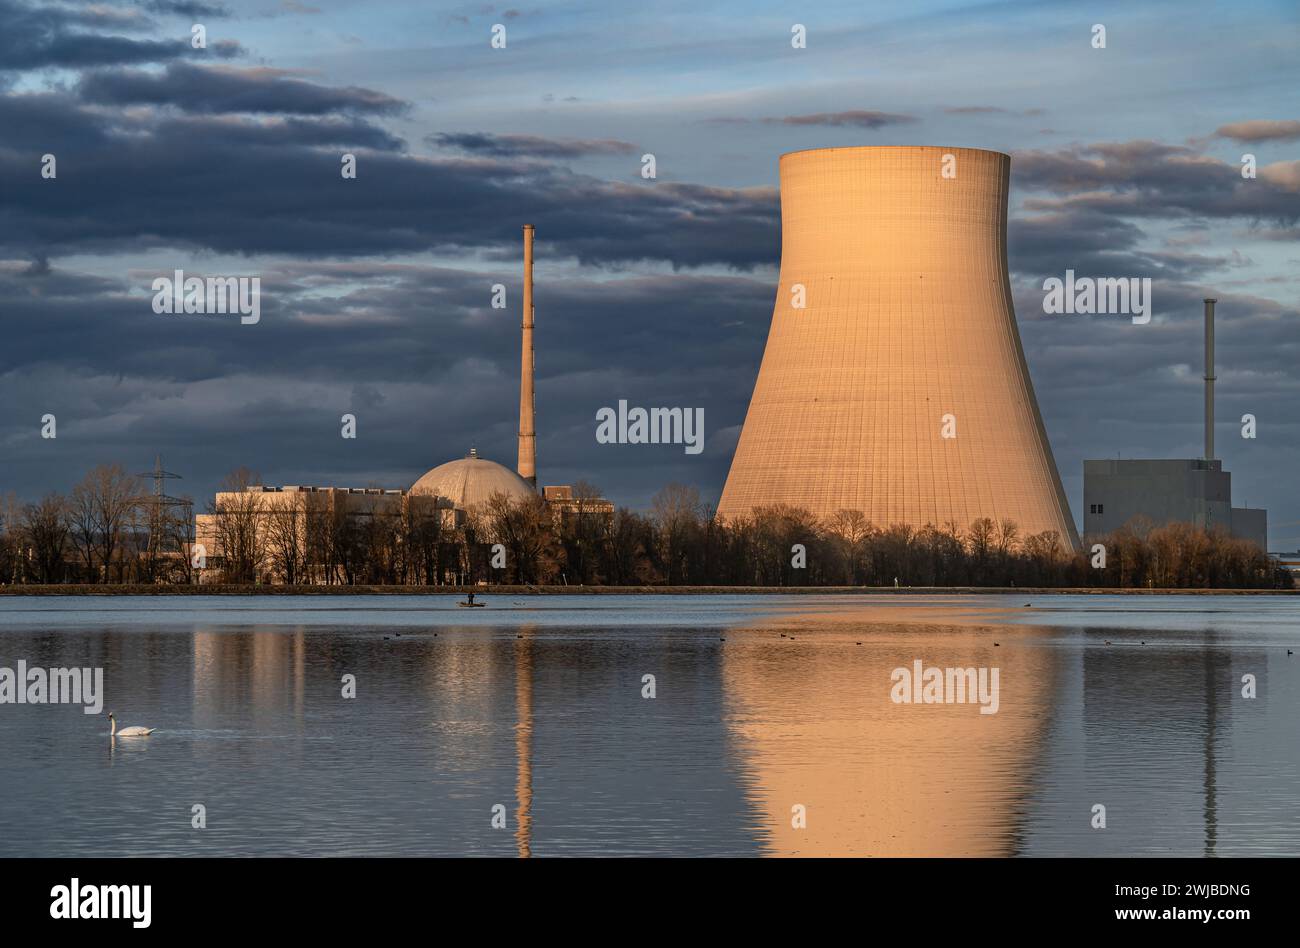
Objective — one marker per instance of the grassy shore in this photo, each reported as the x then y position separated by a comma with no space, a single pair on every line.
220,590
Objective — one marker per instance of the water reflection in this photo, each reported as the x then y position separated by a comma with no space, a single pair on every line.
761,706
524,740
814,725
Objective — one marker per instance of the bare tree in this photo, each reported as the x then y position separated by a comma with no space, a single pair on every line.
12,563
81,519
676,512
420,534
238,512
851,529
523,527
627,538
286,531
103,505
581,530
45,528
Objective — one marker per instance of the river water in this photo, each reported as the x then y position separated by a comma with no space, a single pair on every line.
525,728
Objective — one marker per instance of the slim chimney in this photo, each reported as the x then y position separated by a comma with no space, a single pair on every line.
1209,379
527,400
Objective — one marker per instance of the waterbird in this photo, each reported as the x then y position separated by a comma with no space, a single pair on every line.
1289,652
134,731
1108,641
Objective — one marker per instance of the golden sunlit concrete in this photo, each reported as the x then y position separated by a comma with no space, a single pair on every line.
471,481
908,318
813,725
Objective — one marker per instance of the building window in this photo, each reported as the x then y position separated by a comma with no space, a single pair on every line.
1097,508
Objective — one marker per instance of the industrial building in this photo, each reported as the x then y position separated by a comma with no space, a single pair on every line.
566,505
444,497
893,381
1197,491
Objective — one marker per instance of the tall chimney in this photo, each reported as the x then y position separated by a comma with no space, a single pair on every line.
527,401
1209,379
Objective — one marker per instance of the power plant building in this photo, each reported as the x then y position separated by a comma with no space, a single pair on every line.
1197,491
893,381
448,494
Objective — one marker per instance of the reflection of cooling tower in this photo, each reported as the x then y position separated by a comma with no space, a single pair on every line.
816,726
907,319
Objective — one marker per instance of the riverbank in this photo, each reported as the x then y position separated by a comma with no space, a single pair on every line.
504,590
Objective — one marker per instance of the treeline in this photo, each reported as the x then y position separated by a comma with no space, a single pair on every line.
108,529
680,542
108,532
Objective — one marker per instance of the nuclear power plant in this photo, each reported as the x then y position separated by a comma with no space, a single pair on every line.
448,493
470,481
893,381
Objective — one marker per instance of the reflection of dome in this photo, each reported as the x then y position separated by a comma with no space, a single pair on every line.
471,481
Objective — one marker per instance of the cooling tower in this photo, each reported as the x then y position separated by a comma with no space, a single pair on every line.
900,388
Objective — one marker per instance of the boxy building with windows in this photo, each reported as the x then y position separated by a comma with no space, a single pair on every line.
1194,490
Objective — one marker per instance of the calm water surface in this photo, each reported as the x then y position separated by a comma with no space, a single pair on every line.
762,704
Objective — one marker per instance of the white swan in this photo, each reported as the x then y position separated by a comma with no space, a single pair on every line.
128,731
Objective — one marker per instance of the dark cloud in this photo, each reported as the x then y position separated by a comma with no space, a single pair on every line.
212,89
528,146
1095,244
415,351
1082,240
41,123
1155,180
36,37
189,8
227,49
194,185
857,118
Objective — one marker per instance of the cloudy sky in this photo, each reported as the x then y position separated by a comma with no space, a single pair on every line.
375,291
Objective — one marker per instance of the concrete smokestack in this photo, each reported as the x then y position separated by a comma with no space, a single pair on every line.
1209,379
527,399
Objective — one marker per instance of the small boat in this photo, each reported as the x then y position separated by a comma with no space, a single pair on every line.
472,605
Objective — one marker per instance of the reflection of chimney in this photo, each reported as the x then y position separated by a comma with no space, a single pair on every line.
527,403
1209,379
